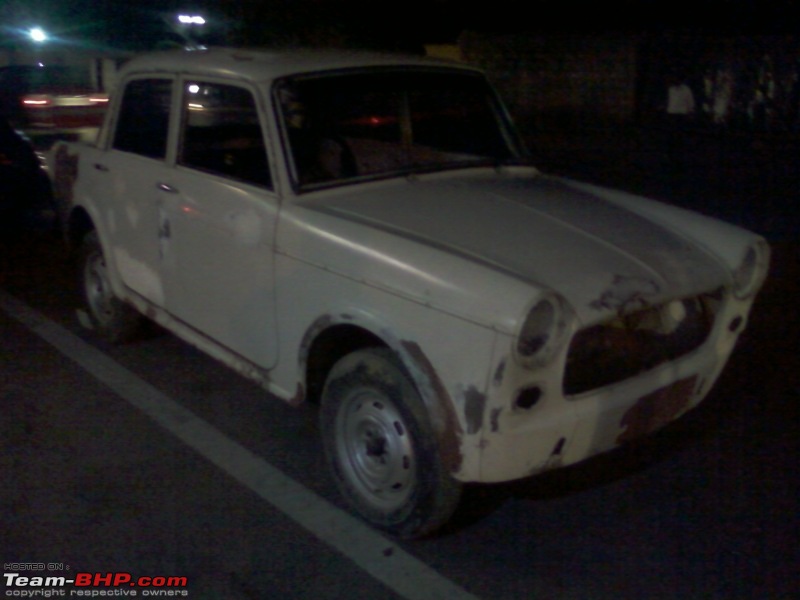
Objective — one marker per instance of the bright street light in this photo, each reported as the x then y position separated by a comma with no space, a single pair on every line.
38,35
187,26
191,20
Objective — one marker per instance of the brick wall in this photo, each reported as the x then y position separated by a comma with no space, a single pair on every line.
574,81
559,81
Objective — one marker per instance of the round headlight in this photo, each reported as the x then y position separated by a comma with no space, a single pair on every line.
749,275
542,330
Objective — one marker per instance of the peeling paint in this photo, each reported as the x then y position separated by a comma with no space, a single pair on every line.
164,228
139,276
494,419
164,234
474,406
497,380
626,293
655,410
448,429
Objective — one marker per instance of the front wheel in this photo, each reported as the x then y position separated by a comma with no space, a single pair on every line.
381,447
109,316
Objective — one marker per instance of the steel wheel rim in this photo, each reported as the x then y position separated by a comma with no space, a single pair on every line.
375,450
98,289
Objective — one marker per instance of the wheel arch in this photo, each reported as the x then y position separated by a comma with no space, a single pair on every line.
330,338
80,222
325,343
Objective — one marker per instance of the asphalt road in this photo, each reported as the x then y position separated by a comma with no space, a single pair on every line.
151,459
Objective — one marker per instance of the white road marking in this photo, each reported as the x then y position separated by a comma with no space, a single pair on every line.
377,555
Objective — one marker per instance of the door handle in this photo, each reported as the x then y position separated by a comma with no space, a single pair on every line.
164,187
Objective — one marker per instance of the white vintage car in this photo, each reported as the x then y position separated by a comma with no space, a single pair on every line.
366,232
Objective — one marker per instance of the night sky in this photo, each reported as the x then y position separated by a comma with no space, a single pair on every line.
374,23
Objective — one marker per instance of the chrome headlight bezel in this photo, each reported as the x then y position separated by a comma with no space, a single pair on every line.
542,331
752,270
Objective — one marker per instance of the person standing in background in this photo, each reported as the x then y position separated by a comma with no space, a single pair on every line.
680,101
680,112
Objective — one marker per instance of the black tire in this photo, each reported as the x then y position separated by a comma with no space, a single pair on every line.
110,317
381,447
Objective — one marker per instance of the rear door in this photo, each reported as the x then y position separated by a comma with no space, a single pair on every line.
129,192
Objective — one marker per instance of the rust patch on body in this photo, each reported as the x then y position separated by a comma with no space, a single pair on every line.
655,410
497,380
494,419
445,423
474,407
625,294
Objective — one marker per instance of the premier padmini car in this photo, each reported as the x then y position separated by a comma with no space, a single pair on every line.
367,232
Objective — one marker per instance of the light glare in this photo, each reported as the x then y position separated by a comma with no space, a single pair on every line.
191,20
37,34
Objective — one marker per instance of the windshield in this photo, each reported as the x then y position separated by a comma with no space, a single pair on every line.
344,126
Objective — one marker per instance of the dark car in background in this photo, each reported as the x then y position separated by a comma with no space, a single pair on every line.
51,101
25,190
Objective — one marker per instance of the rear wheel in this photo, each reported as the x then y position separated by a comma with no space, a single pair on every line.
108,315
381,447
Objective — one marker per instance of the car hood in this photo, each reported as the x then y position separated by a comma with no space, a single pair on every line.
599,255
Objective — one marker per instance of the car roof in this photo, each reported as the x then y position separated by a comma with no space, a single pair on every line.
265,65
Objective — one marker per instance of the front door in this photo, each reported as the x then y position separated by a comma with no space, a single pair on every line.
221,212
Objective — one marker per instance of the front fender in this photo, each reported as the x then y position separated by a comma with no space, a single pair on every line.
448,360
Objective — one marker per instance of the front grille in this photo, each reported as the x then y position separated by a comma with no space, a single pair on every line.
633,343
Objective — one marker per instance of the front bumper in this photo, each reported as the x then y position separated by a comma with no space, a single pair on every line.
550,429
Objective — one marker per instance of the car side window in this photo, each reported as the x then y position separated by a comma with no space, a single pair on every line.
143,122
221,134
